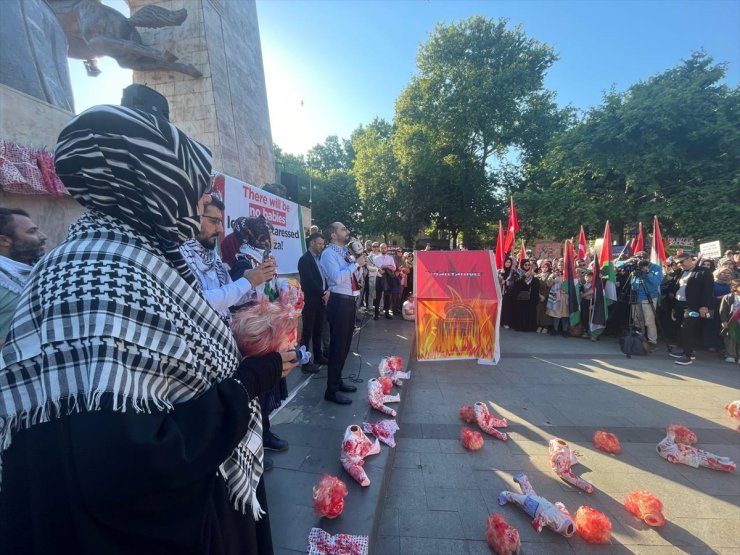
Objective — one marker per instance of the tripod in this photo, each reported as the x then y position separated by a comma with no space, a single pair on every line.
635,303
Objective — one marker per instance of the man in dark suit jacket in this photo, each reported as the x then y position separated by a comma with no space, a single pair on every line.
316,296
694,296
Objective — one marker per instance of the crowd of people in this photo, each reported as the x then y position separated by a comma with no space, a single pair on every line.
140,362
689,302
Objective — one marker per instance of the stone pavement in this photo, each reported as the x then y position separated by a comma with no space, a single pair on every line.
315,429
438,495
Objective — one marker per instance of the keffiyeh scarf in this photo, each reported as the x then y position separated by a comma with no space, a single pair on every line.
13,274
207,267
114,310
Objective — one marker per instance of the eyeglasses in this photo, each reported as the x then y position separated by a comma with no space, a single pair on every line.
215,221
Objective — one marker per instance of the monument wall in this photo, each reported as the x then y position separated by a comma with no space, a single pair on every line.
226,109
29,121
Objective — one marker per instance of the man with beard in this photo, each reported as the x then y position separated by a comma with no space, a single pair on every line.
338,267
384,281
200,254
21,245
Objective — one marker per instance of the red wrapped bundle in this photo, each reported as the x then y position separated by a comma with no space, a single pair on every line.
387,384
592,525
682,434
733,410
471,440
607,442
502,537
646,506
467,414
328,496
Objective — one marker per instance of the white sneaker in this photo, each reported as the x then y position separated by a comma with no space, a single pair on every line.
730,360
539,330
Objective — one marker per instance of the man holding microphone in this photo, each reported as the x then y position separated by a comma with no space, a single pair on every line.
338,266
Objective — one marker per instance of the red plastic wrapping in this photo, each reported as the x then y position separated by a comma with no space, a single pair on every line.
467,414
592,525
682,434
646,506
471,439
501,536
387,384
607,442
328,496
733,410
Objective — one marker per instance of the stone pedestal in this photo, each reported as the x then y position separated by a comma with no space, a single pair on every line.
227,108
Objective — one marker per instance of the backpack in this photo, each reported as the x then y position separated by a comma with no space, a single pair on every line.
633,343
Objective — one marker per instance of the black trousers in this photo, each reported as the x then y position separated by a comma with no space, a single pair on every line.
313,323
340,312
386,297
690,331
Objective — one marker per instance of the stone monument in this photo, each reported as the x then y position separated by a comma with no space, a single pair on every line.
226,109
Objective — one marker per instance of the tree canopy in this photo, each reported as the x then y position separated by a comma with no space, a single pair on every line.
476,124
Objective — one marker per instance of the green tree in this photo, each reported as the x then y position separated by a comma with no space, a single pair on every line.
479,93
668,146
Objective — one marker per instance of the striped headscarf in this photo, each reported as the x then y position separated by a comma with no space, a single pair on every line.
114,313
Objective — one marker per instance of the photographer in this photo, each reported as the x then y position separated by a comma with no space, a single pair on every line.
645,284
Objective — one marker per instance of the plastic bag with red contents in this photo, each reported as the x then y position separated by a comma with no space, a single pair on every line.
592,525
471,439
607,442
328,496
467,414
646,506
682,434
387,384
501,536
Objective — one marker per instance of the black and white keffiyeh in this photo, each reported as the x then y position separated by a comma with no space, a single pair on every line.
13,274
207,267
114,310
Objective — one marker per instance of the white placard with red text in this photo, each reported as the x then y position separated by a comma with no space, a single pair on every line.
242,199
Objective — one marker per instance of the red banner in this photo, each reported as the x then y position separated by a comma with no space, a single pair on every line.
457,306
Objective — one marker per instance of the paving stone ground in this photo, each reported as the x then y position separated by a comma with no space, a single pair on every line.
438,495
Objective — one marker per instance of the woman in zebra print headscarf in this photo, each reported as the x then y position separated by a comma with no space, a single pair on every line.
127,422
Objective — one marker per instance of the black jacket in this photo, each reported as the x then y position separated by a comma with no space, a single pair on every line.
311,282
699,288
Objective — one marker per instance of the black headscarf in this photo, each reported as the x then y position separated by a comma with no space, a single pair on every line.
140,169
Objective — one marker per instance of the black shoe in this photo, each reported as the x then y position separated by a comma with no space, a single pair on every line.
681,354
271,442
337,398
310,368
376,317
321,360
388,316
267,464
684,360
344,388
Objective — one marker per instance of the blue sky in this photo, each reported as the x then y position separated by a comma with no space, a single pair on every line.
347,61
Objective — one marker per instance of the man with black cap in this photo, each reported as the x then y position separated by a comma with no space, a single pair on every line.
693,297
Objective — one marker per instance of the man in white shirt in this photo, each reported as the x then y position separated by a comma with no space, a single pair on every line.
21,245
200,254
384,281
338,268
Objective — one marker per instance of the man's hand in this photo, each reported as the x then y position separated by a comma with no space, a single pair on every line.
703,311
288,362
261,273
361,260
325,297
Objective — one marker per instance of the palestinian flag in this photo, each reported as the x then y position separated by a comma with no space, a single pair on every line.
599,310
571,293
522,254
608,274
582,246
